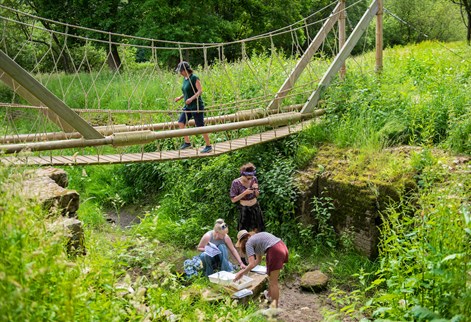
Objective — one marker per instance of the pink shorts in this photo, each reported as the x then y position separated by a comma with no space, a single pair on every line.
277,255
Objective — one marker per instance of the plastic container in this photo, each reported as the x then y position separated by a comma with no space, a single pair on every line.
244,282
227,279
222,278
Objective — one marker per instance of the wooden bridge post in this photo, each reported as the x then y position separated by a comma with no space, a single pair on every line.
379,38
341,57
41,93
342,35
304,60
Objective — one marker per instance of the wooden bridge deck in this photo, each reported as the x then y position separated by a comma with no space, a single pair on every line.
218,148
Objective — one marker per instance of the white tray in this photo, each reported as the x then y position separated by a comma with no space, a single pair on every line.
244,282
222,278
226,279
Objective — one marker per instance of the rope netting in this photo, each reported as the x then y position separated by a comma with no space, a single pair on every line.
121,83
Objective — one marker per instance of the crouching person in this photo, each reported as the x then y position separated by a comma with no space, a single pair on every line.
215,246
254,246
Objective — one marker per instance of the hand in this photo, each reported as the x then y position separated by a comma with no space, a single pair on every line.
238,276
248,191
188,101
178,98
255,186
242,266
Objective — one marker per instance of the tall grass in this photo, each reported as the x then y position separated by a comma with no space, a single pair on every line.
424,266
421,98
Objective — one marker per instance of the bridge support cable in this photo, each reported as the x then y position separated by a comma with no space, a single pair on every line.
42,94
305,58
341,56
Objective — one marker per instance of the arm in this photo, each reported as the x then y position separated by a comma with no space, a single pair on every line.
199,91
252,263
254,186
178,98
203,242
234,252
242,195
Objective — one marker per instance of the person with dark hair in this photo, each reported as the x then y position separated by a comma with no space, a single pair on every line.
194,105
254,246
245,191
219,244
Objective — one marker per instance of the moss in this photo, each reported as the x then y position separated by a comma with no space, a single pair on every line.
361,184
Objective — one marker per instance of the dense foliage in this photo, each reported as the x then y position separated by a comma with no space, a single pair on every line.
421,98
220,22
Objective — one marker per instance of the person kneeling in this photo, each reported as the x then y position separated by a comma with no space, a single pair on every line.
214,246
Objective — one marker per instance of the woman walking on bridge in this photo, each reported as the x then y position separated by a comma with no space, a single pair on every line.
194,105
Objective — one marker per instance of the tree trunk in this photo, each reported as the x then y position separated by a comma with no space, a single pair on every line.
114,62
468,35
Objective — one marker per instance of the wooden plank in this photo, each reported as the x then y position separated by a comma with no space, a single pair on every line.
166,155
341,57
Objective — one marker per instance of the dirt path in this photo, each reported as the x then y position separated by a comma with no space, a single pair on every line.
298,306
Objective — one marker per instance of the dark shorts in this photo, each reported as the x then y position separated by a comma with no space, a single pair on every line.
277,256
186,115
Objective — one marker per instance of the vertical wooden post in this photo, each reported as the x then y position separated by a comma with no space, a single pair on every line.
342,35
305,59
379,38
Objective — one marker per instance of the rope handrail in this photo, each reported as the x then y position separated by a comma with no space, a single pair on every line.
210,108
151,39
193,45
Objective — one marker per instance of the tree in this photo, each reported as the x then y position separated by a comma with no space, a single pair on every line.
114,16
465,7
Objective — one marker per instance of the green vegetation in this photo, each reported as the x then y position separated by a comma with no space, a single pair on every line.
421,98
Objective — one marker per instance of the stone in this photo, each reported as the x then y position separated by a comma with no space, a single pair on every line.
59,176
49,187
75,244
360,186
54,198
314,281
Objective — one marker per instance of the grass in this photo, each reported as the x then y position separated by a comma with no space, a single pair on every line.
421,98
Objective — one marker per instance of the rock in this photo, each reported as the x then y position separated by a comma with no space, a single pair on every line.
41,184
48,187
315,281
75,244
59,176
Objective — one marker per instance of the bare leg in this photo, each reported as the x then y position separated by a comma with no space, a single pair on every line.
206,139
182,126
273,287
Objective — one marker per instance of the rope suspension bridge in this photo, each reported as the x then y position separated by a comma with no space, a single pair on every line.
77,95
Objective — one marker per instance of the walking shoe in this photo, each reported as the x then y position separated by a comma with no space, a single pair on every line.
185,146
207,149
267,297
